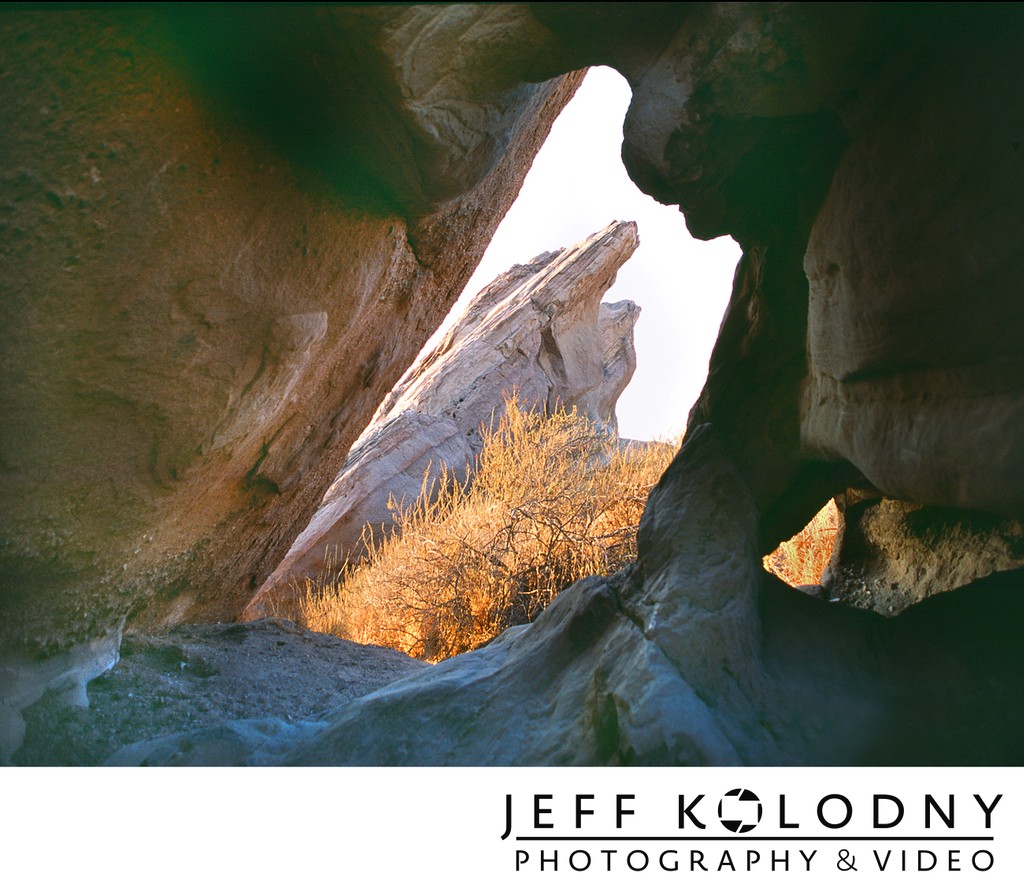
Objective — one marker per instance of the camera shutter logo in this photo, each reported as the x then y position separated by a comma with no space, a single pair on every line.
740,810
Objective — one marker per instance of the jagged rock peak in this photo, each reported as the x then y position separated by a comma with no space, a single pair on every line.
561,292
538,330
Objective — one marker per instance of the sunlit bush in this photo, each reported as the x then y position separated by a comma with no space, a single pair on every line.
552,499
801,560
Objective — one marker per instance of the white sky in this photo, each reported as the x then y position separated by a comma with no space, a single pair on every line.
576,186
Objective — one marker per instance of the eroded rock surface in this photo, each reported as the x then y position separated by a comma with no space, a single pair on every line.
891,554
846,352
538,331
693,657
226,236
913,262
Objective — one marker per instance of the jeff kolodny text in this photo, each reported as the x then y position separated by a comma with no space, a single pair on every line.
735,830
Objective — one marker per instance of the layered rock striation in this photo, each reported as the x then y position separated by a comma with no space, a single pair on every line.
539,332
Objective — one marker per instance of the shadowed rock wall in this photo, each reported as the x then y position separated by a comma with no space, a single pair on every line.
226,235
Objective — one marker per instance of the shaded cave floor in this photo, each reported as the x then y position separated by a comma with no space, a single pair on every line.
199,677
197,680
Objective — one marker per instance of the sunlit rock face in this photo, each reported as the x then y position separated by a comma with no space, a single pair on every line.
540,332
199,305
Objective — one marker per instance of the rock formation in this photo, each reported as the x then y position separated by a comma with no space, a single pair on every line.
539,331
224,240
226,236
891,554
200,677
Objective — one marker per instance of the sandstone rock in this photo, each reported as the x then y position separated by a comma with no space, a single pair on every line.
220,252
540,331
175,402
389,464
915,328
870,323
206,299
784,126
200,677
891,554
65,675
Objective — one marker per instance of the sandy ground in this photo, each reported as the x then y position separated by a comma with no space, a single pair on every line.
200,676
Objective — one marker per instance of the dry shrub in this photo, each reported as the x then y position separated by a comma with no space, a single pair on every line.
801,560
551,500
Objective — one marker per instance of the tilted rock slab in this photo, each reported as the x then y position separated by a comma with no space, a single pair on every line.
539,331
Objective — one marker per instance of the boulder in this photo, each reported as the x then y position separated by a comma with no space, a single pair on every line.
890,554
539,331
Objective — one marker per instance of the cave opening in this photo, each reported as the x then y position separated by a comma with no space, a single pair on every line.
576,185
801,560
543,295
863,157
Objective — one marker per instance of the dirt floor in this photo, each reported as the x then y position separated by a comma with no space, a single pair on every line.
202,676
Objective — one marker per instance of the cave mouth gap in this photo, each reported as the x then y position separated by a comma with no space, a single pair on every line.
577,185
